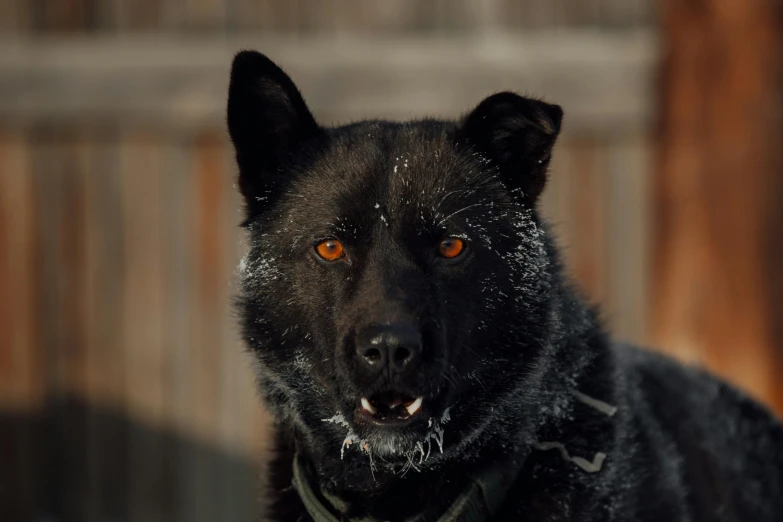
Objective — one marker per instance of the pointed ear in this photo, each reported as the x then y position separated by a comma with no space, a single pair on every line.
268,121
517,135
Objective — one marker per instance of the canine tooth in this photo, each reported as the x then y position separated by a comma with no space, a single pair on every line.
367,406
414,406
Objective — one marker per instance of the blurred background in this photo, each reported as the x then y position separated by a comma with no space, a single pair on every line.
124,392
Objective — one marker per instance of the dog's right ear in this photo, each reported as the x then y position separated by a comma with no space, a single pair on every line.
517,135
268,121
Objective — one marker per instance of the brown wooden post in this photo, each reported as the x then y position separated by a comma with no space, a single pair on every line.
717,282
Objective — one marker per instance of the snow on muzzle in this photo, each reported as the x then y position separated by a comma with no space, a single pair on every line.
392,405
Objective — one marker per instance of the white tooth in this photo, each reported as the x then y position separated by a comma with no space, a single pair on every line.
414,406
367,406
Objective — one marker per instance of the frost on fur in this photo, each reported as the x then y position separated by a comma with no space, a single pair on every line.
414,456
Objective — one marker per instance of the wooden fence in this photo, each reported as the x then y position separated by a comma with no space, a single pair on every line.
301,17
126,393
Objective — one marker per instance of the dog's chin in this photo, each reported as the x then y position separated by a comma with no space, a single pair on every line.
408,429
394,427
395,446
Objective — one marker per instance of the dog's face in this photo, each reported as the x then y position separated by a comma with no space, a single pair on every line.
397,275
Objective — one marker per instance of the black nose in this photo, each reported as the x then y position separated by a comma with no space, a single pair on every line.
396,346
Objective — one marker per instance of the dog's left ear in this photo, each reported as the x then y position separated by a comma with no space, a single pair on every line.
268,121
516,134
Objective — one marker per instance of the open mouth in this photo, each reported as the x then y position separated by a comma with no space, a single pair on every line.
391,407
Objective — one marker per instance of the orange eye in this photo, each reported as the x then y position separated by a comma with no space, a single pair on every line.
451,247
331,250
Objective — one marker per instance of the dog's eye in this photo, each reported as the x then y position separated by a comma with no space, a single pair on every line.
331,250
451,247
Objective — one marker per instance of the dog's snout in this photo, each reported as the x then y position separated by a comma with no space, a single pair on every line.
396,346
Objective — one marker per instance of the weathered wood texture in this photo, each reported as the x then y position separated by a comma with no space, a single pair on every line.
117,252
718,242
328,16
603,81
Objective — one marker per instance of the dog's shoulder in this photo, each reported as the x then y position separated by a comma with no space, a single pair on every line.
715,447
672,389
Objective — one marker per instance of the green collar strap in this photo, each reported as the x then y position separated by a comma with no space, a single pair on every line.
482,498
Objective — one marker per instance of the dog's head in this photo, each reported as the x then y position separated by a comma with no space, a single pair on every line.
396,291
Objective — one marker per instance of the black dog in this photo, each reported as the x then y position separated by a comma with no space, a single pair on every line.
425,357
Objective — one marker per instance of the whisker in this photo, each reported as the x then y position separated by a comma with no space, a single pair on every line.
457,212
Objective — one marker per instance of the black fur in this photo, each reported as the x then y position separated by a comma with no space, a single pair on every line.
505,340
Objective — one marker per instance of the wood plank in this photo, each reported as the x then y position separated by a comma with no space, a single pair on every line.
107,468
46,161
85,376
629,234
181,83
555,201
202,473
142,171
587,235
205,15
143,15
142,174
719,193
76,269
60,16
172,19
21,378
596,203
624,13
235,364
62,444
356,16
76,305
96,387
209,271
178,193
14,17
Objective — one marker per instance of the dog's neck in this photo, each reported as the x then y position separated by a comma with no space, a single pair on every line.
445,495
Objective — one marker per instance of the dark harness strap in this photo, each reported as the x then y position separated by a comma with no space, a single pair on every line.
476,503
